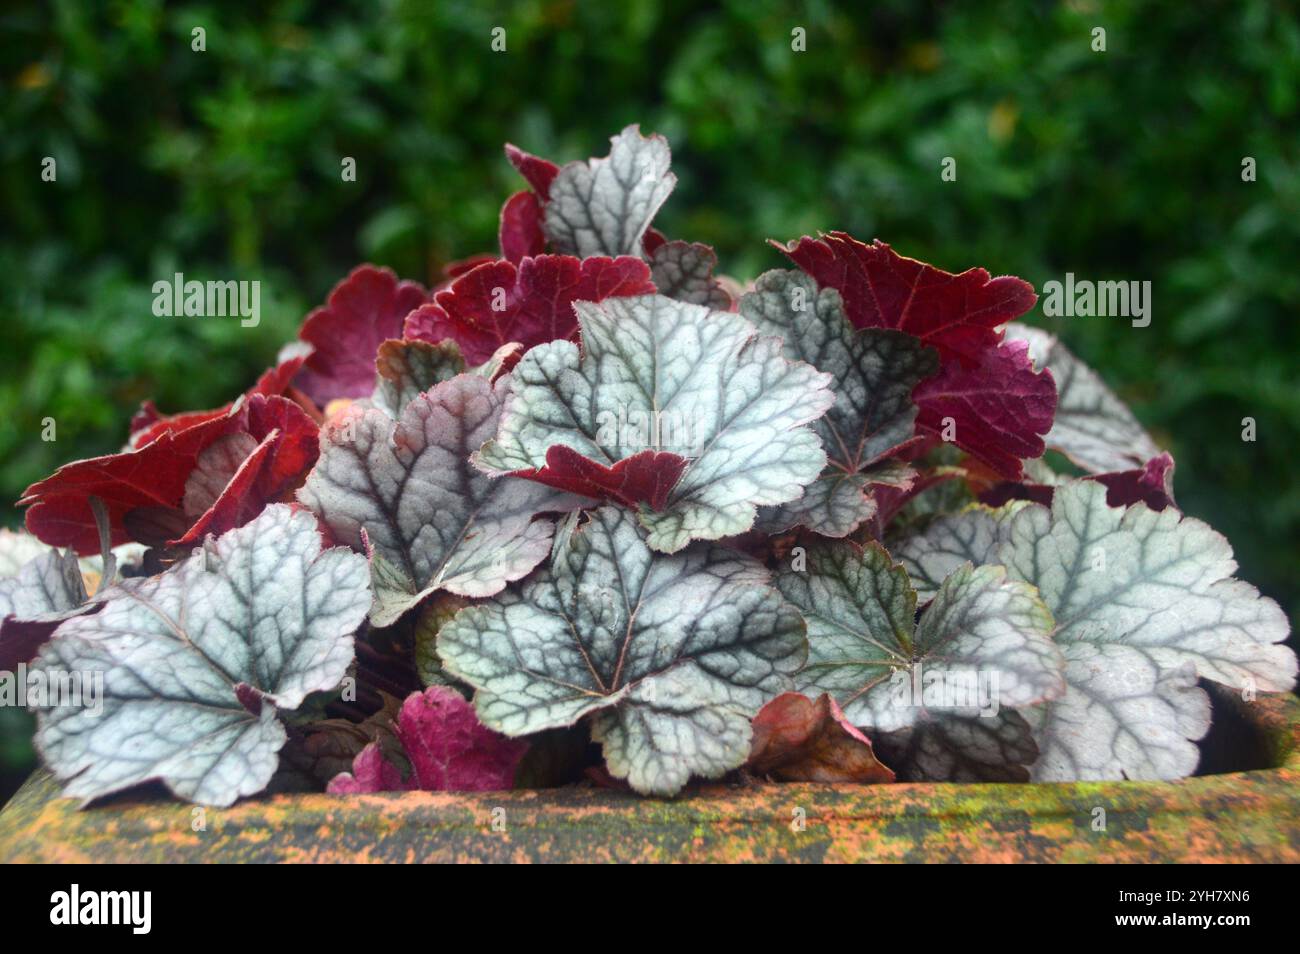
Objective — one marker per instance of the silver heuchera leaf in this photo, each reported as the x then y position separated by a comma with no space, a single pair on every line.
983,644
404,491
873,373
684,271
196,661
407,369
17,549
1145,602
711,389
961,749
45,587
604,206
971,535
1092,427
671,654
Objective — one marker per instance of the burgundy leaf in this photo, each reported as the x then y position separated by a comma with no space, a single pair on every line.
998,404
146,487
364,310
148,424
464,266
1009,490
287,450
646,477
653,241
997,411
447,747
1151,484
520,232
539,172
152,476
21,639
531,303
961,314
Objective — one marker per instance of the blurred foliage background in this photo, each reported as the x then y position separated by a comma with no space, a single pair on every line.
1123,164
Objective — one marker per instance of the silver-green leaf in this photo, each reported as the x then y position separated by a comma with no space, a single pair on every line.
684,271
1145,603
1092,427
663,375
196,662
604,206
873,371
982,646
405,492
671,655
971,536
406,369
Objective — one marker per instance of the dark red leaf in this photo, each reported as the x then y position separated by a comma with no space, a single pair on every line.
1009,490
152,476
148,425
652,241
539,173
999,410
1151,484
999,404
169,423
447,747
531,303
145,487
520,232
464,266
287,450
20,640
364,310
646,477
961,314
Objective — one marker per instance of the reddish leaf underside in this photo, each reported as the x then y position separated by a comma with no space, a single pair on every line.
287,449
1151,484
538,172
464,266
531,303
998,411
364,310
960,314
152,479
447,747
999,406
520,232
644,478
148,425
21,639
799,740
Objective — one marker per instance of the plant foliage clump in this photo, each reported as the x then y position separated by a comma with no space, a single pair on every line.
591,491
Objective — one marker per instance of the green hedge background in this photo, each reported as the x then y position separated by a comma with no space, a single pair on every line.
1123,164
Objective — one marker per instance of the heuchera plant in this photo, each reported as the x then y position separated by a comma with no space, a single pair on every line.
589,491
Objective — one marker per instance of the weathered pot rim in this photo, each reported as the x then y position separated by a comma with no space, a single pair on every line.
1239,816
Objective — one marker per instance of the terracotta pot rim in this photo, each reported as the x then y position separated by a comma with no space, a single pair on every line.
1239,816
